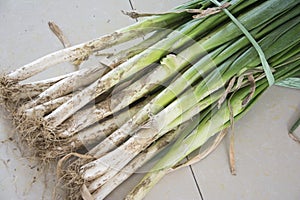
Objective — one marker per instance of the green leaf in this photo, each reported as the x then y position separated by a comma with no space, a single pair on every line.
293,82
260,52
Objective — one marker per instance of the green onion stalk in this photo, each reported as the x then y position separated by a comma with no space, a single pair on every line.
140,139
217,120
64,108
12,81
24,100
210,84
175,40
198,69
248,60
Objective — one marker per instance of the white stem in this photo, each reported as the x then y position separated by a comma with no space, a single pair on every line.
33,89
148,82
30,90
86,117
50,81
76,53
118,158
171,62
115,76
146,134
103,190
121,134
47,107
99,168
69,84
108,165
23,92
121,98
94,134
43,63
74,104
112,141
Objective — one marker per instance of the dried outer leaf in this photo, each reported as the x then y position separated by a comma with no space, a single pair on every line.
208,11
232,155
203,154
231,145
227,91
252,90
200,13
59,34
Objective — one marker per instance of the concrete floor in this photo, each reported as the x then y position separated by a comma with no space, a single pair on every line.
267,159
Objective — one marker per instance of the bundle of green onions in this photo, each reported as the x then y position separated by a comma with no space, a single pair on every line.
199,69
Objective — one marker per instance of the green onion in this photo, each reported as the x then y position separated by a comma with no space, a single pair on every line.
199,69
